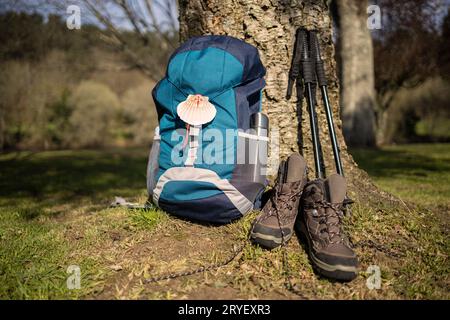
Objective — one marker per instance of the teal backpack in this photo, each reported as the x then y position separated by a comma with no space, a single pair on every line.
200,166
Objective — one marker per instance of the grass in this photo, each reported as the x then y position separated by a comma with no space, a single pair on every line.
54,213
418,173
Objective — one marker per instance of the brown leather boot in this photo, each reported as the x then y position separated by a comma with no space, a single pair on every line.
320,223
276,222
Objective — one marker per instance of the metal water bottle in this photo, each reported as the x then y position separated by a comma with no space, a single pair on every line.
153,163
259,123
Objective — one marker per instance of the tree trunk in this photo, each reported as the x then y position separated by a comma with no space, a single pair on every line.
358,97
2,129
270,26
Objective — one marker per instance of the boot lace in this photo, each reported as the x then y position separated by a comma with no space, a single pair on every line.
330,221
283,202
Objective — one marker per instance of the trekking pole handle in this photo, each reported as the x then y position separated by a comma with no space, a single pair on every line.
320,69
307,62
295,64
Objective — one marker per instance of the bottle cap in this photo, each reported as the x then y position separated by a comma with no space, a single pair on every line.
259,120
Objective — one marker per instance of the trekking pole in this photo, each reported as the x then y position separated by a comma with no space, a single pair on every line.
294,71
308,74
320,72
301,60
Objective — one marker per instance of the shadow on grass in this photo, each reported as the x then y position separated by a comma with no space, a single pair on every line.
65,176
390,163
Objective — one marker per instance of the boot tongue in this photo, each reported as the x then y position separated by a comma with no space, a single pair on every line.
336,188
286,188
289,187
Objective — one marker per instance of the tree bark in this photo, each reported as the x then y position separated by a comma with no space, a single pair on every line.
358,98
270,25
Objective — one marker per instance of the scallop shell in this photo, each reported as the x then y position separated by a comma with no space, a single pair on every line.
196,110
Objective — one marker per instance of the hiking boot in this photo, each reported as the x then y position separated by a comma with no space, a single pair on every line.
276,222
320,224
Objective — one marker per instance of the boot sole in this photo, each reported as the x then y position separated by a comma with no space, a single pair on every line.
337,271
269,241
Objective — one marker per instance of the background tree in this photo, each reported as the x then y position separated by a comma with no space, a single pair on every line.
405,55
444,48
152,37
43,63
355,55
145,32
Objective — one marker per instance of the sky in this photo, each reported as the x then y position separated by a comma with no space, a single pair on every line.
46,7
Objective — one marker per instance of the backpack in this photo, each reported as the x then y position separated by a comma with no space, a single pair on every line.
198,167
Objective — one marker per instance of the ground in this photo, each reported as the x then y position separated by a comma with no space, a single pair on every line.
55,213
